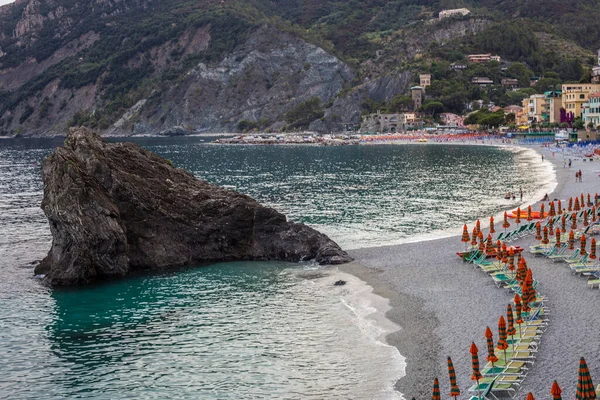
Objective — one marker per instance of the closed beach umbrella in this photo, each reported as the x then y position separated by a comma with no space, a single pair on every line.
571,240
585,218
560,211
589,203
481,241
582,201
454,391
538,231
558,243
504,254
545,239
542,214
519,257
474,237
552,209
465,235
531,293
499,251
524,299
510,329
593,249
505,224
530,396
573,221
489,247
478,226
436,390
518,307
576,206
502,344
518,219
511,259
563,221
593,212
522,271
570,208
492,230
476,375
529,217
551,227
555,391
585,387
491,357
582,243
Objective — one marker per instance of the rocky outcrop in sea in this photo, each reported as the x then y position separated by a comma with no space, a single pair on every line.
115,208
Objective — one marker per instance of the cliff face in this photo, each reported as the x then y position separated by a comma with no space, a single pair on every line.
117,208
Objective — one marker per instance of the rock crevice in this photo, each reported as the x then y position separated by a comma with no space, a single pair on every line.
115,208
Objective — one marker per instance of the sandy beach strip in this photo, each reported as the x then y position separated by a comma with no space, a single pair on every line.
442,305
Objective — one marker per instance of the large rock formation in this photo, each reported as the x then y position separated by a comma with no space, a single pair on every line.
115,208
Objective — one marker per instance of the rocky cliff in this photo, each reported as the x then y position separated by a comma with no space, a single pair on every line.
117,208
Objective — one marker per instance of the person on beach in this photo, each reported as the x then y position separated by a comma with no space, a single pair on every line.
546,197
580,176
569,163
542,157
576,176
521,193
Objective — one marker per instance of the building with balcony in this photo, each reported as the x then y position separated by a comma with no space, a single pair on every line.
552,106
574,95
383,123
534,108
510,83
456,12
458,66
482,58
482,81
425,80
591,111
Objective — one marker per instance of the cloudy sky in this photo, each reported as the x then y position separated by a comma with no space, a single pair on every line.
2,2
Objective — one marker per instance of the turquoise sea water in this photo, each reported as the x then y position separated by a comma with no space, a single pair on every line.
238,330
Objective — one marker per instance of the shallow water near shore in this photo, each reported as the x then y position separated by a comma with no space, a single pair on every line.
244,330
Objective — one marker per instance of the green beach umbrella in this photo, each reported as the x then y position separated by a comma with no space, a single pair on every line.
585,387
518,311
436,390
454,390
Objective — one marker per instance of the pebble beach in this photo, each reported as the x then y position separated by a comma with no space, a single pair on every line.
442,305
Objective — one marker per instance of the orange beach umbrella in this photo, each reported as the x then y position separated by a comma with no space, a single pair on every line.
529,217
593,212
574,221
558,243
593,249
582,201
560,211
436,390
542,214
563,221
511,259
491,357
570,208
551,226
552,209
530,396
465,235
518,311
454,390
585,218
531,293
518,219
502,344
576,206
489,247
510,330
478,226
492,230
474,237
545,239
582,243
505,224
585,387
555,391
476,375
589,202
538,231
571,240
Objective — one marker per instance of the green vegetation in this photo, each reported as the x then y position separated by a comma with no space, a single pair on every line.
487,118
303,114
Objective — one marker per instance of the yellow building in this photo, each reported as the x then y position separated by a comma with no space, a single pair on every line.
574,95
535,108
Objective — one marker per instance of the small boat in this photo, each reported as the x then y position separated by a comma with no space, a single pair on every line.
421,140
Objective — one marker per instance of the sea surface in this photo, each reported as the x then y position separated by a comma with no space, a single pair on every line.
244,330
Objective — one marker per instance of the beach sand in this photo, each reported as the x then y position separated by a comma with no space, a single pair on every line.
442,305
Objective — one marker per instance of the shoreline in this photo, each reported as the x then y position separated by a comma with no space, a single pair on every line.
442,304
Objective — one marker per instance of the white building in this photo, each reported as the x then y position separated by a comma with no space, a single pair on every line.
453,13
591,110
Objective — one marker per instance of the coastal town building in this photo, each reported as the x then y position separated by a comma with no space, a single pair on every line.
574,95
591,111
454,13
512,109
510,83
458,66
481,80
416,93
383,123
425,80
534,80
596,71
482,58
534,107
452,120
552,107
